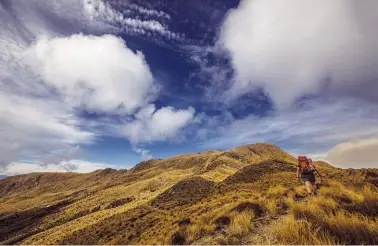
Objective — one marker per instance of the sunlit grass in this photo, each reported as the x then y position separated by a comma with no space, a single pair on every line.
277,191
292,231
240,223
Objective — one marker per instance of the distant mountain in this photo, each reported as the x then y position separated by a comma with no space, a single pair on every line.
245,195
2,176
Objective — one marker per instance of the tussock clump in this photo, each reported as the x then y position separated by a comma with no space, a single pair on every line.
327,216
302,232
272,206
350,228
240,225
277,191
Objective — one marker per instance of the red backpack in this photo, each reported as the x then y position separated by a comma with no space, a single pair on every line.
304,164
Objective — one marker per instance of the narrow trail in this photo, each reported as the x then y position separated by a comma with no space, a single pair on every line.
258,234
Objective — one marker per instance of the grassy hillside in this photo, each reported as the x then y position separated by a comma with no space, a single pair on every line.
246,195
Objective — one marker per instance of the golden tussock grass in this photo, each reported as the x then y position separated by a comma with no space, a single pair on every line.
352,228
291,231
270,208
277,191
270,205
240,223
324,219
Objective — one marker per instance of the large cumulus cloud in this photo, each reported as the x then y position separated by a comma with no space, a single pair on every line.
52,71
97,72
294,48
355,153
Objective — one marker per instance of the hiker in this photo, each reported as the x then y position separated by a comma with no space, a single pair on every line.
306,171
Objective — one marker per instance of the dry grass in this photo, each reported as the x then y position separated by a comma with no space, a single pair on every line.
270,205
324,219
352,228
228,215
291,231
240,223
289,202
277,191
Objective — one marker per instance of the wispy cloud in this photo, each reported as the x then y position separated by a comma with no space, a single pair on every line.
16,168
149,12
144,153
316,126
103,11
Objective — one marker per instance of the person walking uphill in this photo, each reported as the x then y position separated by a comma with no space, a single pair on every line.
306,171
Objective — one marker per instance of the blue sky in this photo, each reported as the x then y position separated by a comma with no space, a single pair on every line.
88,84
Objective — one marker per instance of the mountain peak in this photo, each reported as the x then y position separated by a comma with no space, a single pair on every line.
153,202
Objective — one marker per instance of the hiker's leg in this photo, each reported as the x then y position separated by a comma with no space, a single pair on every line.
313,184
308,186
315,189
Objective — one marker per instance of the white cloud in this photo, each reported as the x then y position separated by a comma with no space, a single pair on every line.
157,125
101,11
314,127
48,74
79,166
356,153
38,119
149,12
36,126
300,47
33,122
99,73
60,156
144,153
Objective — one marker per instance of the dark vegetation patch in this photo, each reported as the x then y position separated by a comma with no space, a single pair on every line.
122,228
374,182
119,202
218,161
145,165
20,225
222,221
256,172
371,174
184,222
257,209
188,191
178,238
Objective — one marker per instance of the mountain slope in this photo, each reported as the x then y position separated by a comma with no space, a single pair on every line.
184,199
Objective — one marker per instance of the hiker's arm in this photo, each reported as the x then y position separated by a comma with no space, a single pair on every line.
298,172
316,170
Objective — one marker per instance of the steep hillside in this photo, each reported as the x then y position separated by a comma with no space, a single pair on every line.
216,197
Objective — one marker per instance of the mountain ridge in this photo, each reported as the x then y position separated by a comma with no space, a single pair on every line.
146,204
